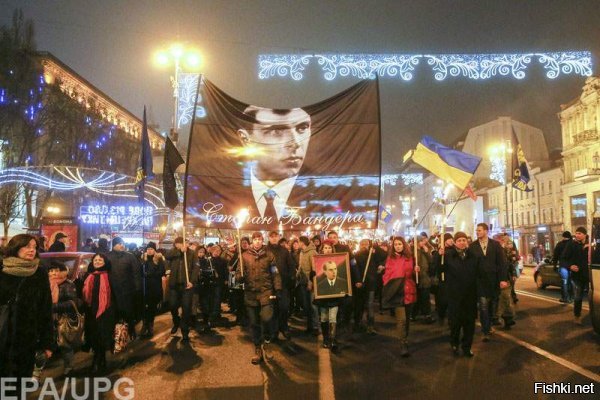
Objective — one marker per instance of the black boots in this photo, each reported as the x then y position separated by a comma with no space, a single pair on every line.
99,362
508,322
258,355
325,330
332,340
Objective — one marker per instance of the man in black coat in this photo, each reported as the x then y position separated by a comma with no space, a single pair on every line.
563,268
125,281
60,243
363,293
495,277
462,268
575,256
346,308
287,272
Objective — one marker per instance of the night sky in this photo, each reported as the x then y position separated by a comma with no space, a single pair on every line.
111,44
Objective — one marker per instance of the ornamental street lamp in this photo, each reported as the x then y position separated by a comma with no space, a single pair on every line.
498,154
177,55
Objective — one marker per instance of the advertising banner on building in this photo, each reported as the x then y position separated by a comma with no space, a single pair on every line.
314,167
67,226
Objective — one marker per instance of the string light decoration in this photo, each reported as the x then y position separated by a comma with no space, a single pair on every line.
188,85
402,66
65,178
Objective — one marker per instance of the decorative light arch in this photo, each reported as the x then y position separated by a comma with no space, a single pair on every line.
471,66
65,178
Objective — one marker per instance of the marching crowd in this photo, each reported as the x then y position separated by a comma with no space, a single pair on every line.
43,312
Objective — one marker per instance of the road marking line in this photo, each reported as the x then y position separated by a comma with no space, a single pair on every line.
559,360
584,306
326,389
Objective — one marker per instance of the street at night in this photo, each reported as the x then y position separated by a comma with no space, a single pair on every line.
544,346
266,199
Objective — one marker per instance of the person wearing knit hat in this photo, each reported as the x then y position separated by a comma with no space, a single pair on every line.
563,268
575,256
459,235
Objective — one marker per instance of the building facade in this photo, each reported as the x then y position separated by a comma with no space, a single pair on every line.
580,126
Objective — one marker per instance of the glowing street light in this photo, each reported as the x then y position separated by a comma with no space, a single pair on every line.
177,55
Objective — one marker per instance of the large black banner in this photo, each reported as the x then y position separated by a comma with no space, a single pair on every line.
315,167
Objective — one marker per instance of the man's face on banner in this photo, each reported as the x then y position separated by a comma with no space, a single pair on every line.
280,139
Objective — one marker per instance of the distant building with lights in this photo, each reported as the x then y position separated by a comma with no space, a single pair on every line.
115,150
580,123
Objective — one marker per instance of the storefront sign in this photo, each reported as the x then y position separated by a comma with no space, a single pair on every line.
122,217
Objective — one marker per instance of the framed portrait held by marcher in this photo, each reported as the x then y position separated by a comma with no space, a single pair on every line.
332,277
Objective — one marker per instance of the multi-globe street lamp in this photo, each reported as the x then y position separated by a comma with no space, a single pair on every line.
178,56
498,154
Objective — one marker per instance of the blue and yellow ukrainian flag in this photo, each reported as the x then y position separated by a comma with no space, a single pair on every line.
451,165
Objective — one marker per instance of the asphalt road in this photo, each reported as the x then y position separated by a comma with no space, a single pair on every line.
544,346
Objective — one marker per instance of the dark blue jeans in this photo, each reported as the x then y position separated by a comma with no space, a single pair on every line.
486,313
565,278
260,321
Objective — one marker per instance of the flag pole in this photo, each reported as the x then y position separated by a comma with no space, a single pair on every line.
369,258
415,241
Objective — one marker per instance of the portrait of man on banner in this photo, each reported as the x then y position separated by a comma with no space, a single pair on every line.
332,275
291,169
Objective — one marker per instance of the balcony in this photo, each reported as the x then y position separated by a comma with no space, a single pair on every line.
586,175
591,135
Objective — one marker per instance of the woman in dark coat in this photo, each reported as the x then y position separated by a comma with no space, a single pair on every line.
153,270
462,269
100,315
64,301
26,290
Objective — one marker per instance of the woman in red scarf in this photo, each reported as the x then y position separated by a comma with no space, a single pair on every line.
399,287
100,318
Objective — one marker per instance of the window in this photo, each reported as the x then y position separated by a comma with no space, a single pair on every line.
551,216
549,187
541,187
578,211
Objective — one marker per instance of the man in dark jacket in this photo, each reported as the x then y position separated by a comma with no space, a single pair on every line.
287,272
575,256
219,264
345,313
125,281
563,268
262,283
496,277
364,292
462,268
60,243
181,285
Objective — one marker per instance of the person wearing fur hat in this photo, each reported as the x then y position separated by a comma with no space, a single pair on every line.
462,268
153,270
575,255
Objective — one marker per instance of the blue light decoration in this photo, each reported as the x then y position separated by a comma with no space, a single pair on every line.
68,179
402,66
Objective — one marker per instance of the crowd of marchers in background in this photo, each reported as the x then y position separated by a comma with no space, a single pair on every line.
451,279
